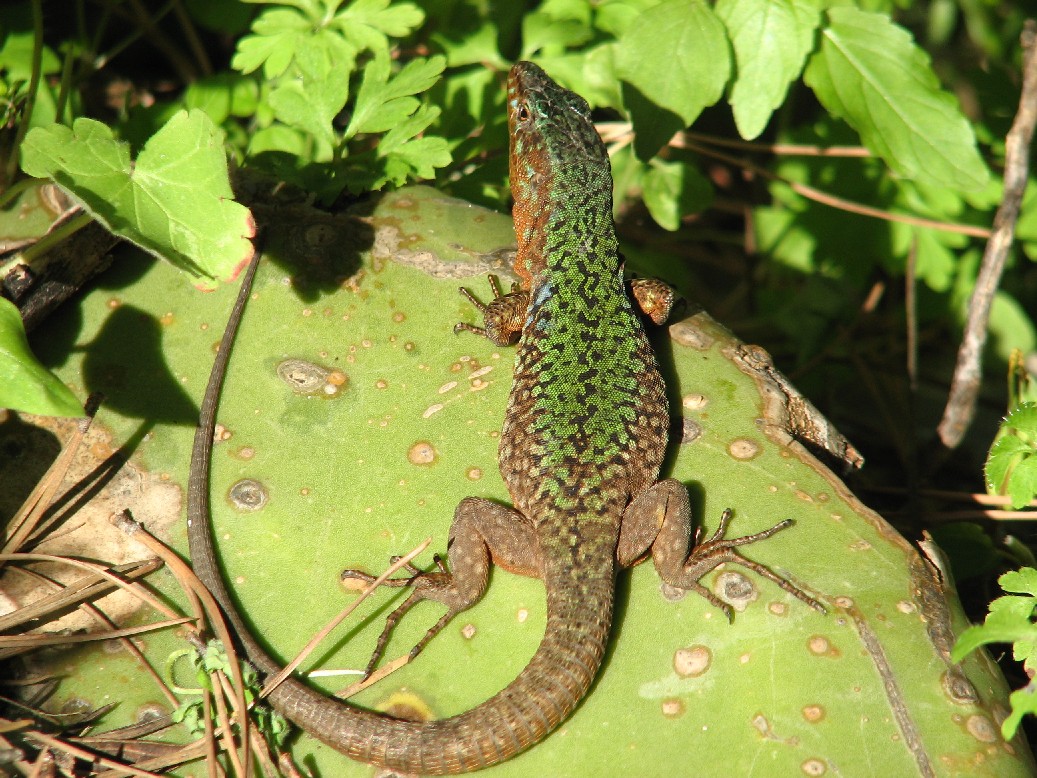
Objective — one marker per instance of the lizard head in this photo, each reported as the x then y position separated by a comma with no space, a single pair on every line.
556,157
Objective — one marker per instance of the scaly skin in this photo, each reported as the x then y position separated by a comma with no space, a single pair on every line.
583,440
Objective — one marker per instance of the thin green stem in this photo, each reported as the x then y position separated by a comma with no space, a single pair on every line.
198,51
52,238
15,189
145,26
66,86
34,85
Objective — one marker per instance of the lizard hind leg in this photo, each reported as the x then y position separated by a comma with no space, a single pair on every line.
482,530
659,520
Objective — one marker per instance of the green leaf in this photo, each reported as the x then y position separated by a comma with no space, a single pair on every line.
418,158
869,72
1023,701
381,102
16,56
544,31
1007,622
936,260
278,34
277,137
672,190
175,201
407,129
1010,620
590,73
422,156
771,40
1021,581
685,84
1011,326
1022,484
25,384
478,47
317,90
1011,466
223,95
367,23
616,16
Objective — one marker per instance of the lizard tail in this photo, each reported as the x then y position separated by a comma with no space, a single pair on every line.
540,698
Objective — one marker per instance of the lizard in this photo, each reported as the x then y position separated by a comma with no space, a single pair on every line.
582,444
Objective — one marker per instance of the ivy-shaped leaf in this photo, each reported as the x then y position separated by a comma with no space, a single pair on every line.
1011,466
25,384
869,72
771,40
174,202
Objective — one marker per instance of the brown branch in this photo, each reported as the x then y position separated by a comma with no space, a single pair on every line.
961,400
56,744
782,149
820,196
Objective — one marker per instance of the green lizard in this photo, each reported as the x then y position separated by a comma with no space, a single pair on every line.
583,440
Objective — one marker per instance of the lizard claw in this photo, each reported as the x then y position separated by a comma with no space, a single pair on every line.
718,549
427,586
503,317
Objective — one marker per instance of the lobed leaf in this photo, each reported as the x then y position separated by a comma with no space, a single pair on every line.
422,156
1023,701
1011,466
174,202
1006,625
1021,581
278,34
25,384
407,129
771,40
383,102
367,23
869,72
319,89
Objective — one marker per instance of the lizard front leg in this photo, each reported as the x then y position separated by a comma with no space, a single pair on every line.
482,531
505,315
659,520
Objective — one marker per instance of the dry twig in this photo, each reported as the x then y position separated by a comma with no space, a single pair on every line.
961,400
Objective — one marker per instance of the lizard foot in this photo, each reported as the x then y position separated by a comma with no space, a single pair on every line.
503,317
437,586
708,555
656,298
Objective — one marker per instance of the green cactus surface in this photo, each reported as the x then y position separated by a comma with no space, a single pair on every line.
353,421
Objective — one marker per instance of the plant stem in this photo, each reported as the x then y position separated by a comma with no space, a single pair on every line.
34,85
961,400
48,241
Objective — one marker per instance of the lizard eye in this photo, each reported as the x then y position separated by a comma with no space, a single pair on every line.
523,113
